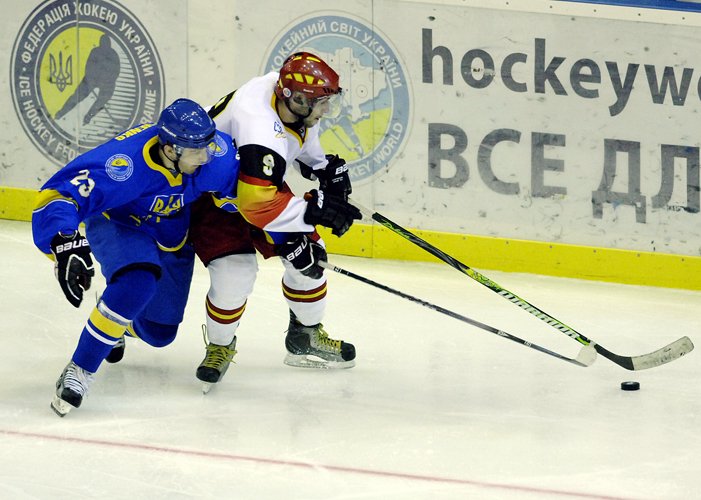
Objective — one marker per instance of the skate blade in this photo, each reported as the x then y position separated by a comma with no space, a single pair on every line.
60,407
309,361
206,387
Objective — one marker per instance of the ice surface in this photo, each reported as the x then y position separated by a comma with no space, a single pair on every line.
434,408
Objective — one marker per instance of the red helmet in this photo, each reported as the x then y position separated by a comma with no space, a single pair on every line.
306,73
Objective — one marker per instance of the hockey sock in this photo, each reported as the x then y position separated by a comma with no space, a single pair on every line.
123,299
308,304
222,323
231,282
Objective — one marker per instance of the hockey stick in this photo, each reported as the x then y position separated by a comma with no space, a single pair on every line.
666,354
585,358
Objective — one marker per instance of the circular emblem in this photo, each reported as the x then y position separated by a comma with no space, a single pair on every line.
119,167
375,116
218,146
82,72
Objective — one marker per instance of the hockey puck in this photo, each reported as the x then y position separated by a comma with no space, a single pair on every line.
630,386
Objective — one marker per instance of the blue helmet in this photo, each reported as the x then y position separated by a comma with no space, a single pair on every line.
185,124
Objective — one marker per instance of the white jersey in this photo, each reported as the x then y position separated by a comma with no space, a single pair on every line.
267,147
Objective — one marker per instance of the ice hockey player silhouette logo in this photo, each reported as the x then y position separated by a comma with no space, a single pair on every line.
82,72
100,78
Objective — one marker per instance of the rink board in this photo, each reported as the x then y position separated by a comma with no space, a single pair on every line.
483,252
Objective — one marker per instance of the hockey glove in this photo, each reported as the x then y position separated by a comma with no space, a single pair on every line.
74,266
330,211
303,253
334,180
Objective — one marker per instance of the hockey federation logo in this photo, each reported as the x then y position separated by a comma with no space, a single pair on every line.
82,72
374,121
119,167
218,146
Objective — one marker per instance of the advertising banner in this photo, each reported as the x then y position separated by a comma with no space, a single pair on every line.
79,73
458,119
514,124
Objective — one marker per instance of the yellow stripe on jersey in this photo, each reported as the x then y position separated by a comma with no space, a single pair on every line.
43,198
174,179
295,133
225,203
175,248
260,205
106,325
220,106
46,196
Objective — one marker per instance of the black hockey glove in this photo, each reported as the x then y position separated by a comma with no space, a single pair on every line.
334,178
303,253
330,211
74,266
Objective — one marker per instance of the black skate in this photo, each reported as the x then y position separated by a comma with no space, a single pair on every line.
117,352
215,363
311,347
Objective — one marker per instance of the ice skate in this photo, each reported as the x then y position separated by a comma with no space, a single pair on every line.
117,352
311,347
215,363
71,387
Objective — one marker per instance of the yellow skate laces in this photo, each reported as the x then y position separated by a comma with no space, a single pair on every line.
324,341
217,356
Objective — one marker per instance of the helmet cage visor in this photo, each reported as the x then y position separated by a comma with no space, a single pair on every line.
200,155
328,105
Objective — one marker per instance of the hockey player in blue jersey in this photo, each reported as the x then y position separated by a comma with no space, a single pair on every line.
133,194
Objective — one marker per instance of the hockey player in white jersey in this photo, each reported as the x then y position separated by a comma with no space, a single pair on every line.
274,121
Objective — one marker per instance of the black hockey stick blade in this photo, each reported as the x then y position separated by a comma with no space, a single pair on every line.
664,355
585,357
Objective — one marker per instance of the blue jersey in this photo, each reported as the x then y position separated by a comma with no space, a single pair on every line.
124,180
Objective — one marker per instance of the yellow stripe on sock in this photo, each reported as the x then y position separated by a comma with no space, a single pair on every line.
216,313
304,295
105,325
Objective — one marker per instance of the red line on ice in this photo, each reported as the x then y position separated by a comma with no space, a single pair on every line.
307,465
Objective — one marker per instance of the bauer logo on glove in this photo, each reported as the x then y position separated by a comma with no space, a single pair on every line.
297,250
74,265
304,254
334,179
82,242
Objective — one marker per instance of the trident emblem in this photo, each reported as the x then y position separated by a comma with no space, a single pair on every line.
57,74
